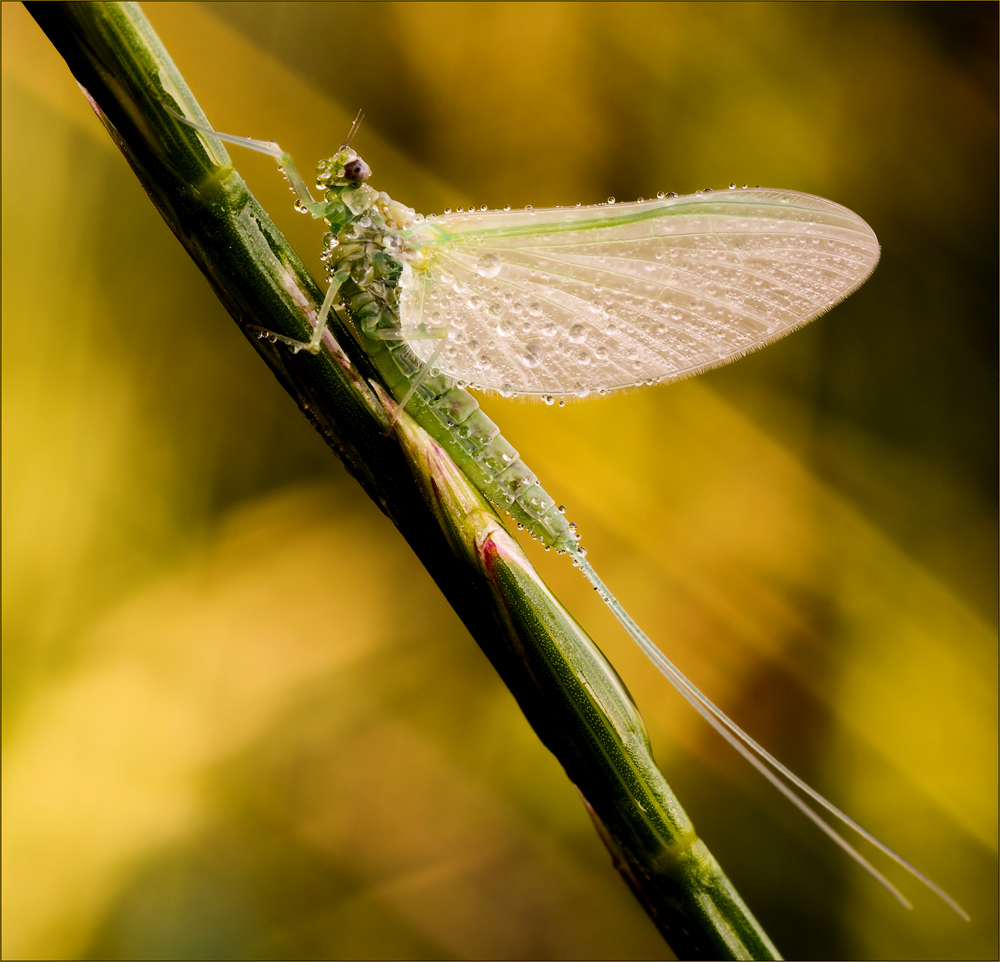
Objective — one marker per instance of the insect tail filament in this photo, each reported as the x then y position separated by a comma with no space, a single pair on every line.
758,756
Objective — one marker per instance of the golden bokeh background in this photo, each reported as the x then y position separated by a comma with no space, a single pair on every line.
239,720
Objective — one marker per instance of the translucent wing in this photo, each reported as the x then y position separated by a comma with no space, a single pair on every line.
580,299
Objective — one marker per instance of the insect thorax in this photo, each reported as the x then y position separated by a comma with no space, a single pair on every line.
364,244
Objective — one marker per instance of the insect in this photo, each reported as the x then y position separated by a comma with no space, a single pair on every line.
573,301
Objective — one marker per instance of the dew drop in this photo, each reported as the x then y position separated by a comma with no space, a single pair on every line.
535,309
488,266
732,187
660,195
549,399
611,200
506,206
672,193
447,210
578,333
561,509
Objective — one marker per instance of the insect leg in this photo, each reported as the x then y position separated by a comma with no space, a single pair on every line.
313,344
324,311
269,147
440,333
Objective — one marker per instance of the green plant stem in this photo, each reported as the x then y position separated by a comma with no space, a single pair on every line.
567,690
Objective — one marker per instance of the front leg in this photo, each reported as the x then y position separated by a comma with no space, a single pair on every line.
269,147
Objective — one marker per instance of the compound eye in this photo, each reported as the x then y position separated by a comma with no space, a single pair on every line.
357,170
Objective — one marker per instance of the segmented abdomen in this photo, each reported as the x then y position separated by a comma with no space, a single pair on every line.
452,416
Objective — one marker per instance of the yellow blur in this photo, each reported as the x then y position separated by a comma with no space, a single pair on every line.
240,721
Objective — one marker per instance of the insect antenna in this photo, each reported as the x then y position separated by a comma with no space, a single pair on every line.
354,129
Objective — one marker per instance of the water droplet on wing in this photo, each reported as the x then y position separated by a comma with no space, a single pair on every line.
488,266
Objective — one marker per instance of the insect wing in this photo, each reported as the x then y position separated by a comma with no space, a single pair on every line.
581,299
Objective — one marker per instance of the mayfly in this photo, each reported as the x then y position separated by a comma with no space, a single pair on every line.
573,301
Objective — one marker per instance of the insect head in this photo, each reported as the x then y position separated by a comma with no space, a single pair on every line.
343,168
357,170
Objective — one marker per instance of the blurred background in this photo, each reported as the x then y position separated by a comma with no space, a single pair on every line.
239,720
